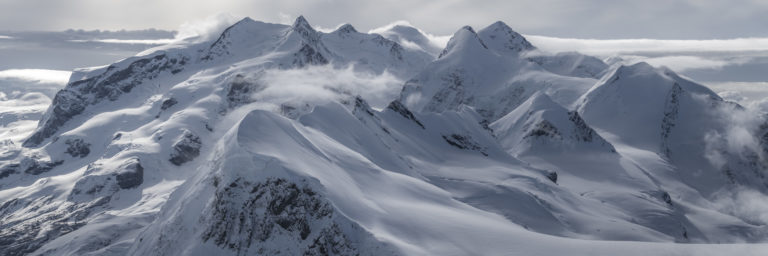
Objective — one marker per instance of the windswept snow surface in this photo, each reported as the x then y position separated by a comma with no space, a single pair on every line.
279,139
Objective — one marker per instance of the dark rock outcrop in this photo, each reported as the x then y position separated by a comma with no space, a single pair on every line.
35,167
110,85
247,217
77,148
186,149
464,142
22,235
401,109
130,175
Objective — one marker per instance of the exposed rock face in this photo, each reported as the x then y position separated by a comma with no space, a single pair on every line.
241,90
552,176
464,142
170,102
115,81
544,129
450,96
8,169
581,131
77,148
248,217
671,109
100,182
403,111
186,149
21,234
35,167
308,55
501,38
542,125
130,175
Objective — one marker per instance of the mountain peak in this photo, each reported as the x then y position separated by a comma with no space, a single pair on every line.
640,67
346,28
501,38
301,23
542,125
464,38
301,26
500,25
245,20
468,28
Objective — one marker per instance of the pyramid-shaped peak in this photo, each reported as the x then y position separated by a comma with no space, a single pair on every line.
643,76
346,28
467,28
501,38
241,24
245,20
464,39
500,25
305,31
301,23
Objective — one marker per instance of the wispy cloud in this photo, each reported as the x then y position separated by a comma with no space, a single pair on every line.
37,75
679,63
436,40
737,138
319,84
752,95
128,41
747,204
207,28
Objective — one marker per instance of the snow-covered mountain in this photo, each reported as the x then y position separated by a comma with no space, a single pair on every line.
279,139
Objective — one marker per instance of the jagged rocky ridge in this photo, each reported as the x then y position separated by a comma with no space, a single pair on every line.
176,152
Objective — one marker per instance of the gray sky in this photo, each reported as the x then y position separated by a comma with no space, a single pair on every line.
661,19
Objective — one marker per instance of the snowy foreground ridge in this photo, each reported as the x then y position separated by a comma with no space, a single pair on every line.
282,140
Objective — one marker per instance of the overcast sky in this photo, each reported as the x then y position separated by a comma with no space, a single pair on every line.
662,19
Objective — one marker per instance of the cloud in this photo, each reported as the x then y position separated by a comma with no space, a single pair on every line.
735,96
436,40
37,75
207,28
737,136
759,105
128,41
319,84
747,204
752,95
284,18
679,63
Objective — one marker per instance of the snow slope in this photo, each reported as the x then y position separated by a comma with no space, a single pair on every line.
274,139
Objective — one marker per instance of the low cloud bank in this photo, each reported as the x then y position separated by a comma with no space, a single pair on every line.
37,75
435,40
318,84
